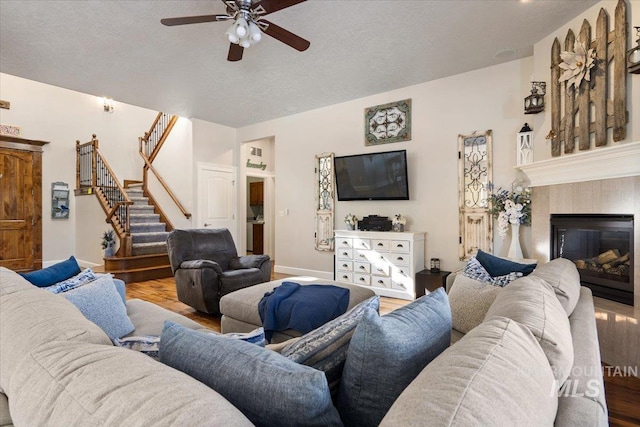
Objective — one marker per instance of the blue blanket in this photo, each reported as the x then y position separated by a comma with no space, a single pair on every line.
303,308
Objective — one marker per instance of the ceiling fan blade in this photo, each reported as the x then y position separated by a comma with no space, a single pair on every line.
286,37
235,52
271,6
170,22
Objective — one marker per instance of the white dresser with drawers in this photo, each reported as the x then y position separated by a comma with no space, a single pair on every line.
385,261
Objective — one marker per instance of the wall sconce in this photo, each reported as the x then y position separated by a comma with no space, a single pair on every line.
524,147
633,56
534,103
107,104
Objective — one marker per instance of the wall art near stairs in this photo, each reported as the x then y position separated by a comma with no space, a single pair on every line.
586,108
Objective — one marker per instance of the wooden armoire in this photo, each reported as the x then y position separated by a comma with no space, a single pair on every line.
20,203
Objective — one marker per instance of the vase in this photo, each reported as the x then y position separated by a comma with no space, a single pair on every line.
515,251
351,227
398,227
108,252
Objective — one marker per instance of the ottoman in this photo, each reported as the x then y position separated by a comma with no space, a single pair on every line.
240,308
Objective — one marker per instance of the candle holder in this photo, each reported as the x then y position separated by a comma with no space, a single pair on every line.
435,265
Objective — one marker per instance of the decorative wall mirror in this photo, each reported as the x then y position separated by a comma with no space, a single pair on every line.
325,195
474,175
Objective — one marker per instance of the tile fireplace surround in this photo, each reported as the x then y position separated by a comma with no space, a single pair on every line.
599,181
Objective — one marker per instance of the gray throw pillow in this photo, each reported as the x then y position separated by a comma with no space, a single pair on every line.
326,348
387,352
100,302
470,299
268,388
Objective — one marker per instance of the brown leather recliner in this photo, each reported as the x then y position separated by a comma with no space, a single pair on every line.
206,266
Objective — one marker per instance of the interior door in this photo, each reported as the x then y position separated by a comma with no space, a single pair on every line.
18,218
217,198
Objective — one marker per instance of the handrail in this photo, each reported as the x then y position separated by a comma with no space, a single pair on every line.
149,147
94,173
153,126
149,166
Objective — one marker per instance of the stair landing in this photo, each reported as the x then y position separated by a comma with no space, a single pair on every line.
139,268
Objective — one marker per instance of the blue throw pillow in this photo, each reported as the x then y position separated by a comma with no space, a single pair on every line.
100,302
326,348
387,352
268,388
53,274
497,266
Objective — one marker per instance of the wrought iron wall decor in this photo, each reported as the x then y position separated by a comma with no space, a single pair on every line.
388,123
475,171
325,196
571,107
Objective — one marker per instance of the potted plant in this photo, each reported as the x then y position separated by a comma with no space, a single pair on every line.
108,243
398,222
351,220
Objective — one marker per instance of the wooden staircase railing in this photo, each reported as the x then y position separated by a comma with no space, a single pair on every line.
149,146
94,175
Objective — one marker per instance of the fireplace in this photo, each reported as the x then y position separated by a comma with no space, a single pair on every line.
601,246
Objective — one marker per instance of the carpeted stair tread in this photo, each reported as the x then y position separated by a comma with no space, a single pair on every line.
149,248
160,236
139,200
144,218
138,209
150,227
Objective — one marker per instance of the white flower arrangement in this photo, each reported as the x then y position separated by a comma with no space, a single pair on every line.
510,207
351,220
399,219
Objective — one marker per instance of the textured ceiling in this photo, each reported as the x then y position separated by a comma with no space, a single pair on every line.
120,50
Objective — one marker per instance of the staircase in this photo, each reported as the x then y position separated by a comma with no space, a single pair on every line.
148,234
141,225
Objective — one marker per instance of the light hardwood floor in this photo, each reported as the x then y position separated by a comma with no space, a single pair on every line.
622,392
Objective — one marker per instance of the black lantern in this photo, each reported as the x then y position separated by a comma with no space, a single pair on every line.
534,103
633,56
435,265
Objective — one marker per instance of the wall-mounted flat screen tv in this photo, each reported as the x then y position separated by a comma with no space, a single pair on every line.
374,176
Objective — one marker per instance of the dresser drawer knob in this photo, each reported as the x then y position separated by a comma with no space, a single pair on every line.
362,279
362,267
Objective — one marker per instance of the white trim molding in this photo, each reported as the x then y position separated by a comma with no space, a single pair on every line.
617,161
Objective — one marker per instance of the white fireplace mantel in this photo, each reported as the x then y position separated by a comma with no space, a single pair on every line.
616,161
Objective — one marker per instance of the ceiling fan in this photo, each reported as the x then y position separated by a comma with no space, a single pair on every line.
248,25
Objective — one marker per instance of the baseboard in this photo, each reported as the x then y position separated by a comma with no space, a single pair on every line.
327,275
81,263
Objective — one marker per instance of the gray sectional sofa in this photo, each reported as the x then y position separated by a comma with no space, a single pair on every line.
57,368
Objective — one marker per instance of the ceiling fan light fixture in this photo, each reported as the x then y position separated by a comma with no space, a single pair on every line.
241,27
245,42
231,35
254,32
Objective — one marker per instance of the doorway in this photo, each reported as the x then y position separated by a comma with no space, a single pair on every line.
257,196
255,215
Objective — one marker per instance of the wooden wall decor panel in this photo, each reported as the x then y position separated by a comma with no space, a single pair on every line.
569,121
584,101
600,82
609,109
555,97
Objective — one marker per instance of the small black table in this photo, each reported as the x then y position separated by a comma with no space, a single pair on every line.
426,279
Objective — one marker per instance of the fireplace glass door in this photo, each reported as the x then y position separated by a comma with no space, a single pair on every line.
601,246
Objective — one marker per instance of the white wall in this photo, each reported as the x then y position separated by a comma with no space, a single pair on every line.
490,98
62,116
541,72
176,152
